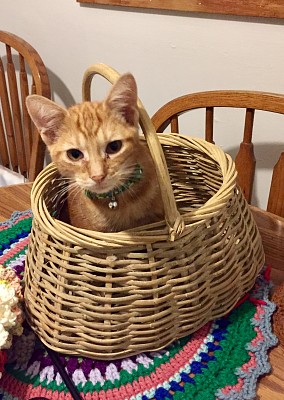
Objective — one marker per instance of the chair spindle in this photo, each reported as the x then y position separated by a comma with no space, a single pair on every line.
4,156
209,121
16,110
245,159
27,129
9,128
174,124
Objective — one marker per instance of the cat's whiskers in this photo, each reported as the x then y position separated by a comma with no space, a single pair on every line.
133,193
123,174
64,179
65,182
74,192
65,189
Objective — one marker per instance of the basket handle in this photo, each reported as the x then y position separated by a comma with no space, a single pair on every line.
173,218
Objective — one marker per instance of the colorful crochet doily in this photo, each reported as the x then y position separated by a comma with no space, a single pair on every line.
222,360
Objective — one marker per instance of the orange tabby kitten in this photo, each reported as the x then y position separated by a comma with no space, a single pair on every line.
113,184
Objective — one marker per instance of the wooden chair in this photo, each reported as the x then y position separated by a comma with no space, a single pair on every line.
245,160
270,222
22,72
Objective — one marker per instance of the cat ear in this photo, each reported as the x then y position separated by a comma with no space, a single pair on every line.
47,117
122,99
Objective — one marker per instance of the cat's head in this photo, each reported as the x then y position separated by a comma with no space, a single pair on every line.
94,143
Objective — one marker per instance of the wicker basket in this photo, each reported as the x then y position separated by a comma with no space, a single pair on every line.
108,295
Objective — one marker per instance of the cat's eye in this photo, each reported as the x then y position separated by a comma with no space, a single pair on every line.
75,154
113,147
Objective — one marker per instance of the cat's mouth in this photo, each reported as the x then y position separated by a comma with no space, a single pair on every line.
109,184
100,188
113,184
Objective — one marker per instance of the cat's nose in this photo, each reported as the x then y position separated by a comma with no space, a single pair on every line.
98,178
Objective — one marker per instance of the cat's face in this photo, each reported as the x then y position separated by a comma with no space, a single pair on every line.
94,144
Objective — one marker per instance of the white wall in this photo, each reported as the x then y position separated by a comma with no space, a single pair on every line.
169,54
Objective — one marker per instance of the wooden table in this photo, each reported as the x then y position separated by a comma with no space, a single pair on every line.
270,387
14,198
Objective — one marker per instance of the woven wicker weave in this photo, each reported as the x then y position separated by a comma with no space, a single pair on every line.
108,295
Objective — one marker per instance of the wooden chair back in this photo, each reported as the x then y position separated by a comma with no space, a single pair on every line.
22,72
270,222
245,159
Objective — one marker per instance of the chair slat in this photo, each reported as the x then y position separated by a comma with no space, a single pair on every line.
174,124
245,165
245,159
15,102
37,155
4,156
33,87
27,129
276,195
248,125
8,122
209,122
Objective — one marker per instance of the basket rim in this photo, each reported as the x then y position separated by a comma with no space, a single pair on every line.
148,233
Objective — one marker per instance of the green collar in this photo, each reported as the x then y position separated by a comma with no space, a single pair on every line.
135,177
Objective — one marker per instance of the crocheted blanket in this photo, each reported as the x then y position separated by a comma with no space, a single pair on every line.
222,360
